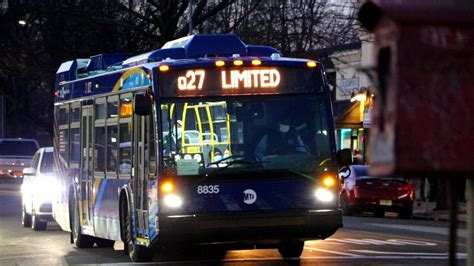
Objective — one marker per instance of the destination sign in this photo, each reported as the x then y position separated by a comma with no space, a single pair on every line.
235,81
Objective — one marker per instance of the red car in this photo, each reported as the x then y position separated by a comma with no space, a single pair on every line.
360,192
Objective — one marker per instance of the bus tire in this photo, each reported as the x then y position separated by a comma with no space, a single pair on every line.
291,248
80,240
345,206
25,218
136,252
37,224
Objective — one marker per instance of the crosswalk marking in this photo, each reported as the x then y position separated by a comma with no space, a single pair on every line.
332,252
379,242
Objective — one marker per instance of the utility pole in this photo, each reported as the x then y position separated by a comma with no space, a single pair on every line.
190,18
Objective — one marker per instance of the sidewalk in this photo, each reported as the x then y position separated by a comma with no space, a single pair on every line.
425,211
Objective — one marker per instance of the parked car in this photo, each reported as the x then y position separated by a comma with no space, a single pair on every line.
15,155
38,189
361,192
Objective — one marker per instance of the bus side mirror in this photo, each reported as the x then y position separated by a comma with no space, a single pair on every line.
344,157
142,104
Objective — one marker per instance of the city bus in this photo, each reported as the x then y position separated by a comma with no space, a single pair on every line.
206,141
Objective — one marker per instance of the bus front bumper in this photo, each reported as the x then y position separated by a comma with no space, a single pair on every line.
304,225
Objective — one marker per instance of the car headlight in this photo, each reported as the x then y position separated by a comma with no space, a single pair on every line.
173,201
324,195
46,189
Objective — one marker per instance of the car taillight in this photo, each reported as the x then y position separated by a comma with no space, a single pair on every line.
406,187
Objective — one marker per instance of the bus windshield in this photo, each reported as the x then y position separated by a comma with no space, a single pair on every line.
232,135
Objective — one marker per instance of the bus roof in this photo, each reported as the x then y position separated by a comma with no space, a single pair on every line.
81,77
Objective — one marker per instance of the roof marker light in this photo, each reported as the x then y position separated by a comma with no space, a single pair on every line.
238,62
220,63
164,68
256,62
311,64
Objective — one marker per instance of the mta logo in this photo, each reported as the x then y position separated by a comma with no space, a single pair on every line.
250,196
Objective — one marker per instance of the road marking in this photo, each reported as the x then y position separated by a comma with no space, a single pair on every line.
378,242
421,228
445,254
409,237
332,252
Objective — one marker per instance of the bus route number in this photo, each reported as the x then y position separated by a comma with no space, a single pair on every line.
208,189
192,80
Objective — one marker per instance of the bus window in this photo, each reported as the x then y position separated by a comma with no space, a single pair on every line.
125,149
99,150
112,152
75,114
64,133
112,107
75,148
100,111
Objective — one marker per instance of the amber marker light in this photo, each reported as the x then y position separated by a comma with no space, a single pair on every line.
256,62
329,181
167,186
238,62
220,63
164,68
311,64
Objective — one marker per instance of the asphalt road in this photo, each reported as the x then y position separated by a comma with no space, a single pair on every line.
364,240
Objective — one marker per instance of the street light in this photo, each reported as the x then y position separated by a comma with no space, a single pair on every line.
22,22
360,96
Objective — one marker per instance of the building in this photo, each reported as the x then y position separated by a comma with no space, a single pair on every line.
348,68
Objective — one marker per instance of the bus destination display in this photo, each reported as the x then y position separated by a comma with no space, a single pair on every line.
215,82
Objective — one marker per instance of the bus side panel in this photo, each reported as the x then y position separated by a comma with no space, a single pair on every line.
106,207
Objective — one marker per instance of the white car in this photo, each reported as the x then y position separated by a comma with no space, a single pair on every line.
15,155
37,190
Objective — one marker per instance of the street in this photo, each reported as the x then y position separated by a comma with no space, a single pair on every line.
363,240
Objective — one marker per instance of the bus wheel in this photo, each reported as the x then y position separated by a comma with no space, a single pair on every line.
345,206
25,218
136,252
80,240
291,248
37,224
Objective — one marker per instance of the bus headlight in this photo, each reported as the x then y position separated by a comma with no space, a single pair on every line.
324,195
173,201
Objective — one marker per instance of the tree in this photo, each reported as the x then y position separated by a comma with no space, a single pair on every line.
55,31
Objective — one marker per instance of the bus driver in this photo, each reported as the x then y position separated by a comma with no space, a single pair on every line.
280,140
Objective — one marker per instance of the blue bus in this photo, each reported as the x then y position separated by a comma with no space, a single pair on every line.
204,141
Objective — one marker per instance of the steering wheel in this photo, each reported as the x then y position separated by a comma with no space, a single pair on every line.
293,147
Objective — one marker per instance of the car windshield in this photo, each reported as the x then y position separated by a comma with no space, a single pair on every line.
47,163
17,148
363,172
245,134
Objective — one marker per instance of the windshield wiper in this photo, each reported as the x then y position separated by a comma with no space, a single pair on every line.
224,159
251,162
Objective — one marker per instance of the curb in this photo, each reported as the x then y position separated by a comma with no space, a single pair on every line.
426,217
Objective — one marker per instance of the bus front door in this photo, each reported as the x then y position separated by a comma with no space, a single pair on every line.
87,165
140,173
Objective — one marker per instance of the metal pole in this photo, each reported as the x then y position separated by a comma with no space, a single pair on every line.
190,19
470,222
453,219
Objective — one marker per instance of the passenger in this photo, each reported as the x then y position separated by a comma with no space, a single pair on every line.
358,158
280,140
